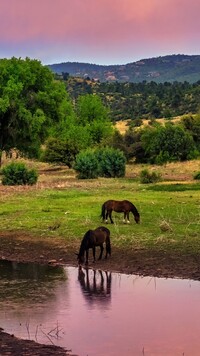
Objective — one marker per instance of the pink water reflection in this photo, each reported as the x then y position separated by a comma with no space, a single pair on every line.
102,314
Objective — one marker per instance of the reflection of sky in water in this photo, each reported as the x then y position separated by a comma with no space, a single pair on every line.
102,314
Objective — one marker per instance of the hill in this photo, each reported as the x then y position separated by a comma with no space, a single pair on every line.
159,69
145,100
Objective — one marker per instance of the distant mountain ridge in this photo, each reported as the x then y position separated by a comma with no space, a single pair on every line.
162,69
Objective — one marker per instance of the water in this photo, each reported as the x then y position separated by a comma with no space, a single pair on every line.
98,314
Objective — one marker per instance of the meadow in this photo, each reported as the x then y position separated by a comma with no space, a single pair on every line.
61,206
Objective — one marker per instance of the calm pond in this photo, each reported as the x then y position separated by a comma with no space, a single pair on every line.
98,314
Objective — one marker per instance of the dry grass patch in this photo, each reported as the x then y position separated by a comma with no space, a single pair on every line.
174,171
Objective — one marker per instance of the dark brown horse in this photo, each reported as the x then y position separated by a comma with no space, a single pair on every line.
123,206
91,239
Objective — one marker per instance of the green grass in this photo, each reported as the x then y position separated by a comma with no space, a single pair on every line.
177,187
69,213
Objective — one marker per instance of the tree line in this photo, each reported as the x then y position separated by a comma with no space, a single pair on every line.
41,119
140,100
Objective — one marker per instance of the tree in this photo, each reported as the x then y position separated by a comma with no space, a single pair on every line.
72,134
60,151
31,101
167,143
92,114
100,131
192,125
90,108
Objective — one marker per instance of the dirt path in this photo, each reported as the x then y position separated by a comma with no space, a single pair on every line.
24,248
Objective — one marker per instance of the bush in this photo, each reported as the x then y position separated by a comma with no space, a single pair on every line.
197,175
18,174
104,162
148,177
59,151
86,165
167,143
112,162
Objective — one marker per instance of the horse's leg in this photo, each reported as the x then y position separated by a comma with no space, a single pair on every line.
110,216
106,216
87,254
127,214
101,252
124,220
94,254
106,255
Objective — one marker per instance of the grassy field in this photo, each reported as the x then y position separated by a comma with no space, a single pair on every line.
62,206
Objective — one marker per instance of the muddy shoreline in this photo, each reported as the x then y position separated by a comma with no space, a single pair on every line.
11,345
21,247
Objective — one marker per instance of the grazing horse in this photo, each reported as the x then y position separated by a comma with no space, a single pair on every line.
91,239
123,206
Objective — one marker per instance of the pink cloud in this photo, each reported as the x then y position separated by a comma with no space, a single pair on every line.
114,25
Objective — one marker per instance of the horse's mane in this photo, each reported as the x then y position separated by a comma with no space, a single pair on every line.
84,241
134,210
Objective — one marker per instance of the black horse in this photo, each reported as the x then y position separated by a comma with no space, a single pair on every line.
91,239
123,206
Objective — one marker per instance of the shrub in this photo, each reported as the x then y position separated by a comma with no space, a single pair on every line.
86,165
112,162
59,151
197,175
167,143
148,177
18,174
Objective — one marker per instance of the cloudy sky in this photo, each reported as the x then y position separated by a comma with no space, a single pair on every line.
98,31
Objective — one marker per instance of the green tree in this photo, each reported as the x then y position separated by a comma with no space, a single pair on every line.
90,108
31,101
72,135
100,131
167,143
60,151
92,114
192,125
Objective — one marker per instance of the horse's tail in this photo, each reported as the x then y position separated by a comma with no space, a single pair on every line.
108,245
103,212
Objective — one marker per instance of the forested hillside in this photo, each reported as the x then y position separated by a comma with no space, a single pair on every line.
69,121
161,69
140,100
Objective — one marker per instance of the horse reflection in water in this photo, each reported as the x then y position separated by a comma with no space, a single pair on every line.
95,285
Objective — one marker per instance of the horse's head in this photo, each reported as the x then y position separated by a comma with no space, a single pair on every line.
137,218
80,258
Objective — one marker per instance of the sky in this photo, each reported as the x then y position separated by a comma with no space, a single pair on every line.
98,31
